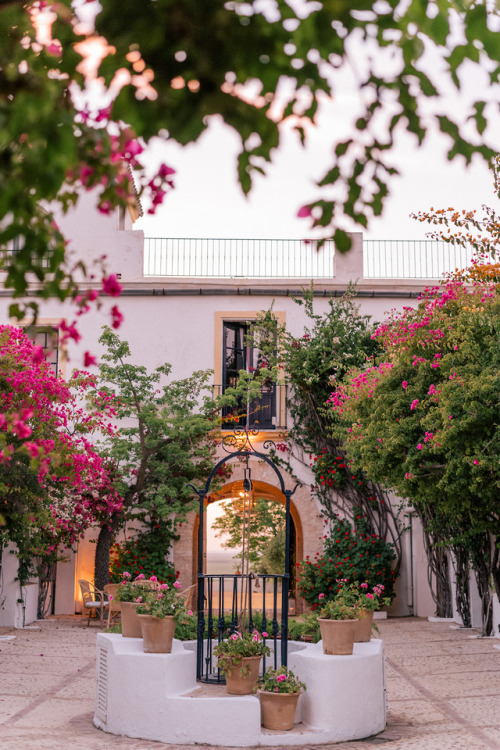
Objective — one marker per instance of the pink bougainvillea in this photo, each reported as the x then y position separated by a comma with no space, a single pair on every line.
43,418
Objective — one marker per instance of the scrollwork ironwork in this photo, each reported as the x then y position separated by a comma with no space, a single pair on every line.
240,440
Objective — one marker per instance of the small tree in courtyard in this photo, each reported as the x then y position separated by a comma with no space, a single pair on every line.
167,439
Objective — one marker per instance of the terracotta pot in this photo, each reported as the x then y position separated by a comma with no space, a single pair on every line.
363,630
243,684
337,636
277,710
157,634
131,625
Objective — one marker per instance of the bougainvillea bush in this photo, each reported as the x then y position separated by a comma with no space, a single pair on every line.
53,482
424,419
351,554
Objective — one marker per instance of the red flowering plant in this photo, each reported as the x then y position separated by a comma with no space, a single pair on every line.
351,554
145,553
334,472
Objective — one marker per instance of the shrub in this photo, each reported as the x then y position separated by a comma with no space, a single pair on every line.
350,554
145,554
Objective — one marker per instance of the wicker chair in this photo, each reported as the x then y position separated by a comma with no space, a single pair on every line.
94,601
114,611
189,595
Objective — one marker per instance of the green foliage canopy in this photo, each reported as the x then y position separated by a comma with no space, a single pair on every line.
335,341
254,65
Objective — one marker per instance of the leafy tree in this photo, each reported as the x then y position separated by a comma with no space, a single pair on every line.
424,419
163,67
266,525
273,555
311,363
166,439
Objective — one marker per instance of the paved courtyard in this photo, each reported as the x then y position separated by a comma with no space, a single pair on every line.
443,690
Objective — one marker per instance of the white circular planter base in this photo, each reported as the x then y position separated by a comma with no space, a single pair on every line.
156,697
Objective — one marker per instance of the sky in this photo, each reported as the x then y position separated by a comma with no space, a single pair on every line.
208,202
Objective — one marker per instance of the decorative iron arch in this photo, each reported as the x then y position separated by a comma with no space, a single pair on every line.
240,441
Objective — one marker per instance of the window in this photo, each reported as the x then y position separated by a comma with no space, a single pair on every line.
238,355
14,247
48,338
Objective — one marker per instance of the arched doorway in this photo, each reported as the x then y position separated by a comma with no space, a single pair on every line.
266,491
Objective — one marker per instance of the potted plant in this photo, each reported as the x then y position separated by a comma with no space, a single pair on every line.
130,594
279,691
337,620
158,613
310,630
238,658
367,603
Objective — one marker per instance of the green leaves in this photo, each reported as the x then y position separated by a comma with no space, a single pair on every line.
278,64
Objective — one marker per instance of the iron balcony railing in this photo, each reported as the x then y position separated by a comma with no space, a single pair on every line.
412,259
268,412
235,258
8,253
241,603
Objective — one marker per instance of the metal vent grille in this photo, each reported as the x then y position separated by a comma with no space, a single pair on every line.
102,684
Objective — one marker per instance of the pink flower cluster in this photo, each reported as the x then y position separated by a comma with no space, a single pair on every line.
36,404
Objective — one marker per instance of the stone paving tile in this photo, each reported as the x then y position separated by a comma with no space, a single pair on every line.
411,712
475,646
52,714
493,734
81,688
12,704
478,662
390,671
481,711
480,684
446,741
14,664
399,689
27,685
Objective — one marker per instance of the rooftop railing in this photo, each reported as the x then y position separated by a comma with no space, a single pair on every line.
412,259
271,259
255,259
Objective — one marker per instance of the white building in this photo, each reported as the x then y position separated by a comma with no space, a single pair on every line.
183,301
